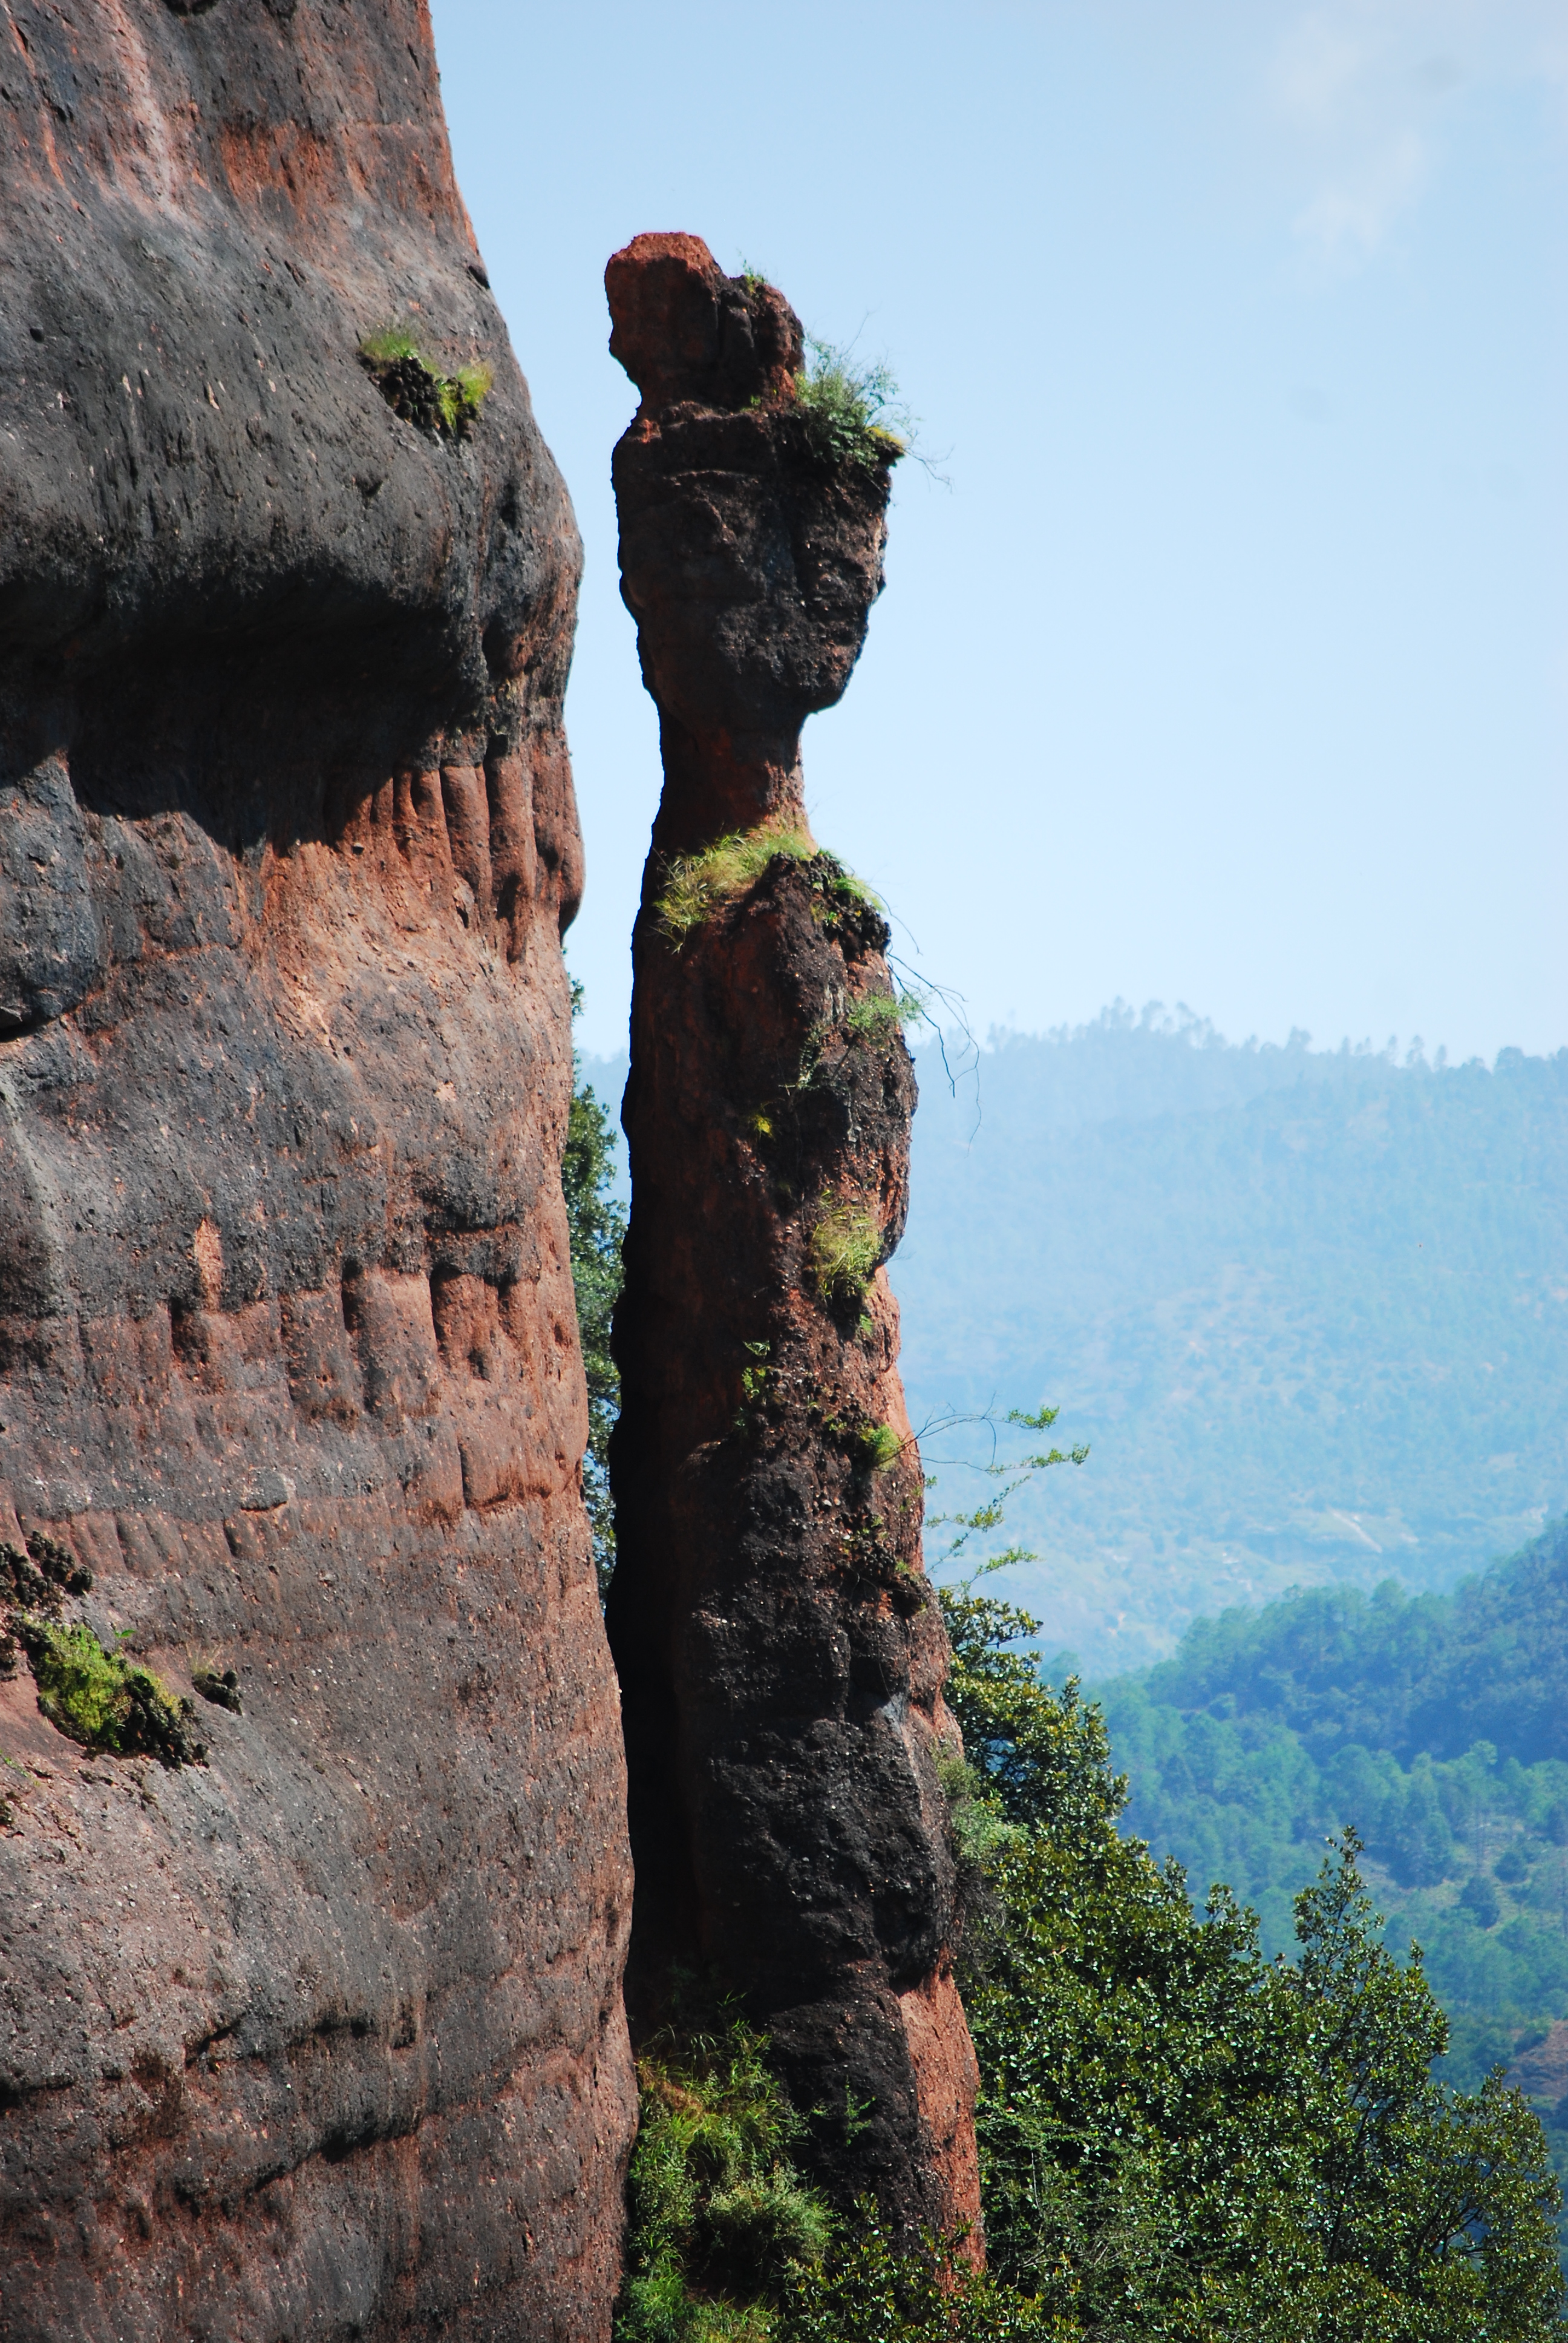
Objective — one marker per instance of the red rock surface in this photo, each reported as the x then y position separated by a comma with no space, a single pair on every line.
323,2037
782,1661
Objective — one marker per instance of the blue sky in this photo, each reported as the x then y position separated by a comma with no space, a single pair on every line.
1231,664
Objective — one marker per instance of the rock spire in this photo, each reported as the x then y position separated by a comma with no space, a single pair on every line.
782,1661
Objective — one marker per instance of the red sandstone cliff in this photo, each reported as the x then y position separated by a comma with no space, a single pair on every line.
781,1662
323,2037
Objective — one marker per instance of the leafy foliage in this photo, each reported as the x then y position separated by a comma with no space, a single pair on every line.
719,2216
869,2291
727,2244
597,1222
104,1700
1181,2138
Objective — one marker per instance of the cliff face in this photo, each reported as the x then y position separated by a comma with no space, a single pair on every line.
781,1663
322,2036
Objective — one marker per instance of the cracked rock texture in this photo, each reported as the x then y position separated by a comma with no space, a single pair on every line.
322,2039
781,1663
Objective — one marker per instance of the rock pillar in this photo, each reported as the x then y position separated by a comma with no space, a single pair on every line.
322,2035
782,1661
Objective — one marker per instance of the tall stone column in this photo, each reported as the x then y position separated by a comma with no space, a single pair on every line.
781,1660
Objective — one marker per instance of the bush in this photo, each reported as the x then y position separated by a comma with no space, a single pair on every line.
720,2218
869,2291
104,1700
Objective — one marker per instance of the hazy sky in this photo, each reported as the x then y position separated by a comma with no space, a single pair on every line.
1231,665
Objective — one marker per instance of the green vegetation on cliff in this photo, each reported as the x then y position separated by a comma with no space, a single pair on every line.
850,408
415,387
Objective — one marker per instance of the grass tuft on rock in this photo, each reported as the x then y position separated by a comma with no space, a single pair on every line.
698,885
695,885
848,409
417,390
876,1017
844,1250
879,1446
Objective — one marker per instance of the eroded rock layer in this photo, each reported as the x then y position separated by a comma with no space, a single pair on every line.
781,1663
322,2036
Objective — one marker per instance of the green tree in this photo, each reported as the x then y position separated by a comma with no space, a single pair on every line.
1180,2138
596,1220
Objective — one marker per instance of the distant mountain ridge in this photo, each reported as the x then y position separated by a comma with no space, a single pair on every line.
1433,1672
1308,1307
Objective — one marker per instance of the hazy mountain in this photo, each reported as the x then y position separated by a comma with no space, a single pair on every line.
1308,1307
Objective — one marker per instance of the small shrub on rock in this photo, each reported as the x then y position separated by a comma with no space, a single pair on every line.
105,1701
849,408
720,2218
445,404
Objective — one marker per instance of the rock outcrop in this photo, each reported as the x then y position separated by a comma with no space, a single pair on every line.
781,1663
323,2036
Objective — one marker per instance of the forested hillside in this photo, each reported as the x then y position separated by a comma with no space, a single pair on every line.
1437,1727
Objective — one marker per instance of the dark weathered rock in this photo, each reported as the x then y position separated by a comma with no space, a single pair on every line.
323,2037
781,1662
